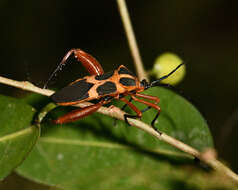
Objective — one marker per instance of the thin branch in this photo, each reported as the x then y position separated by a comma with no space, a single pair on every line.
25,85
131,40
119,114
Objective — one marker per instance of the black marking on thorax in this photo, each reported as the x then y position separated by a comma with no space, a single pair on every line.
106,88
104,76
75,92
124,70
127,81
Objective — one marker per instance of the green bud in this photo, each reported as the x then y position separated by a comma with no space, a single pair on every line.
164,64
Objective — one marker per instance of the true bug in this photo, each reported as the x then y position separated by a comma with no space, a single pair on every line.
104,87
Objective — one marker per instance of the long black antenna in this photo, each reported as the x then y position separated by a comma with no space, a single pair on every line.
154,83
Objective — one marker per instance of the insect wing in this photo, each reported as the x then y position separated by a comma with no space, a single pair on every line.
73,93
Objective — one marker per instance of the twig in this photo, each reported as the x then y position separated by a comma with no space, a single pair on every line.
25,85
119,114
131,40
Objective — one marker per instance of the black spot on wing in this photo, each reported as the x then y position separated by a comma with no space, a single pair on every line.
104,76
127,81
106,88
124,70
75,92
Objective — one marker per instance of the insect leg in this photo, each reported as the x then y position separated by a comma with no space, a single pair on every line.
153,105
152,98
78,113
88,61
145,96
123,107
134,108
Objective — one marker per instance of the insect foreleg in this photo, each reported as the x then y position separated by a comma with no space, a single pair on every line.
152,98
153,105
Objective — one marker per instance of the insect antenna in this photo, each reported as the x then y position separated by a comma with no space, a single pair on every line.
157,82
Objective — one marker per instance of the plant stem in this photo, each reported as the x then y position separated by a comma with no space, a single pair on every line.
25,85
119,114
131,40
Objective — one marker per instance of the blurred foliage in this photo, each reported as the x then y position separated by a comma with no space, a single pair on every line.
17,135
91,149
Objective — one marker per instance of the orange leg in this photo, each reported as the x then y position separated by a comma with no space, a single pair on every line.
134,108
153,105
153,98
78,113
88,61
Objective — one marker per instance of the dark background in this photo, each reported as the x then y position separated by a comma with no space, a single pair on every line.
35,35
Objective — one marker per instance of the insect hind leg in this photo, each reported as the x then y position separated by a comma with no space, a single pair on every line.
88,61
78,113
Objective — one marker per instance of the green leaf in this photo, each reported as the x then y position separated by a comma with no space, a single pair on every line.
17,135
92,153
179,119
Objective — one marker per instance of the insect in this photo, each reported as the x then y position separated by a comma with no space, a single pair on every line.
103,87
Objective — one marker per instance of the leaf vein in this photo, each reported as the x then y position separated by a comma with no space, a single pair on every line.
17,134
82,143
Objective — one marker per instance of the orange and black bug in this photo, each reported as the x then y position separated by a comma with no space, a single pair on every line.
104,87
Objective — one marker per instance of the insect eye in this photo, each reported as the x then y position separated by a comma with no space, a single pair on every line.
144,84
